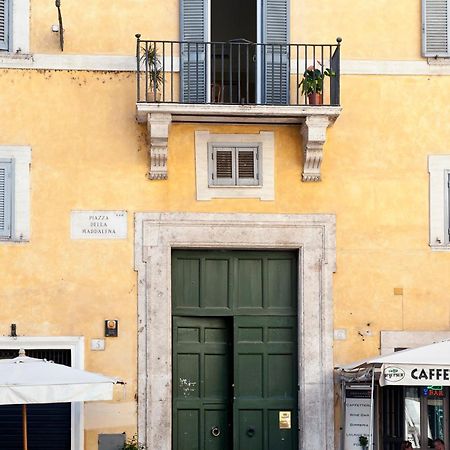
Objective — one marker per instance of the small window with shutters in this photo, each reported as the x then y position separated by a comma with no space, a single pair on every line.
15,165
234,164
4,24
439,211
6,173
435,28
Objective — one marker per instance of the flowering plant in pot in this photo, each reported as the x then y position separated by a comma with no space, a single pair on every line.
312,83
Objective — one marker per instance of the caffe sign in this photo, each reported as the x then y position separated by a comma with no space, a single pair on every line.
414,375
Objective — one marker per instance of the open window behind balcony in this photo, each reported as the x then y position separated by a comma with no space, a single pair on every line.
236,51
233,68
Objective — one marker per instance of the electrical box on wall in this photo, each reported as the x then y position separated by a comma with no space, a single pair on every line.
111,328
111,441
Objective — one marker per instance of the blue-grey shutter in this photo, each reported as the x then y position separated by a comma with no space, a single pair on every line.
193,53
221,165
276,54
5,198
435,28
4,24
247,166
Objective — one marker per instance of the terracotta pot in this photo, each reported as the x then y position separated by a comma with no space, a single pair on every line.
315,99
151,96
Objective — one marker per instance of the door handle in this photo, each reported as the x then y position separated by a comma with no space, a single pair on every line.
215,431
250,432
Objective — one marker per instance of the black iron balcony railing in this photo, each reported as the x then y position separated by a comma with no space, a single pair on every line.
237,72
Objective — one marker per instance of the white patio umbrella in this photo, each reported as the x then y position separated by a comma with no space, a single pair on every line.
26,380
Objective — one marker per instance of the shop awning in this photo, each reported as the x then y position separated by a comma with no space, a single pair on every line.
422,366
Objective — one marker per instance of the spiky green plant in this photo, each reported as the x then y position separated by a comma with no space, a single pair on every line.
133,444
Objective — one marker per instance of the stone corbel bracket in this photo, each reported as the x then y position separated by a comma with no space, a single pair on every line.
158,125
313,131
313,120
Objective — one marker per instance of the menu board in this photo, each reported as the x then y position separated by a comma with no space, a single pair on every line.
357,417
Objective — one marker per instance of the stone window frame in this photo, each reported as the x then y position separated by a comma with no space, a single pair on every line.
390,340
19,29
313,236
439,170
76,345
21,156
264,191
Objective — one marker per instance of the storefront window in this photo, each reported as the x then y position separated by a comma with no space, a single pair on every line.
435,396
412,416
415,414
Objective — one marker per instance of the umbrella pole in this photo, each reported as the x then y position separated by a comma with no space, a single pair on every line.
24,427
371,411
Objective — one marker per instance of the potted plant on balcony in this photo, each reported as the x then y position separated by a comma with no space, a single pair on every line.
153,72
312,83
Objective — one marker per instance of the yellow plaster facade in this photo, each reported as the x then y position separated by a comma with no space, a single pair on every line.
89,153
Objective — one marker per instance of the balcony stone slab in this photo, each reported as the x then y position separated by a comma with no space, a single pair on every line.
313,122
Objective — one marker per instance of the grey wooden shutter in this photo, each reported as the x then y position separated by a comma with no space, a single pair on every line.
222,165
5,198
193,54
247,166
4,24
435,28
276,54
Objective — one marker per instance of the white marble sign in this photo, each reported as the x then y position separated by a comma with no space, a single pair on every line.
98,225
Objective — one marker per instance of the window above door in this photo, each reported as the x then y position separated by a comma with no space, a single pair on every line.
234,165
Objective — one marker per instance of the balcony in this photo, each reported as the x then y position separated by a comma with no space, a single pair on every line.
237,82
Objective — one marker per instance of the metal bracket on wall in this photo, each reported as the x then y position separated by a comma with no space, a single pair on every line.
60,22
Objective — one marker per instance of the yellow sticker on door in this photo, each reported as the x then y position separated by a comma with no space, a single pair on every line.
284,418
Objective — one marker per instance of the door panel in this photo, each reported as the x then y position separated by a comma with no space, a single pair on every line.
201,383
234,350
250,430
216,419
188,429
225,283
265,377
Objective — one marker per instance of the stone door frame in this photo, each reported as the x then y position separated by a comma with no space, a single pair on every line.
313,236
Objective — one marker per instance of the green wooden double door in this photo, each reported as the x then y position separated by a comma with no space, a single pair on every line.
234,350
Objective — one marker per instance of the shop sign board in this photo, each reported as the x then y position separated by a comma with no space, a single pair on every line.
414,375
357,416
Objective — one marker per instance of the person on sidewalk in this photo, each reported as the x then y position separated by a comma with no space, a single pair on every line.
406,445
